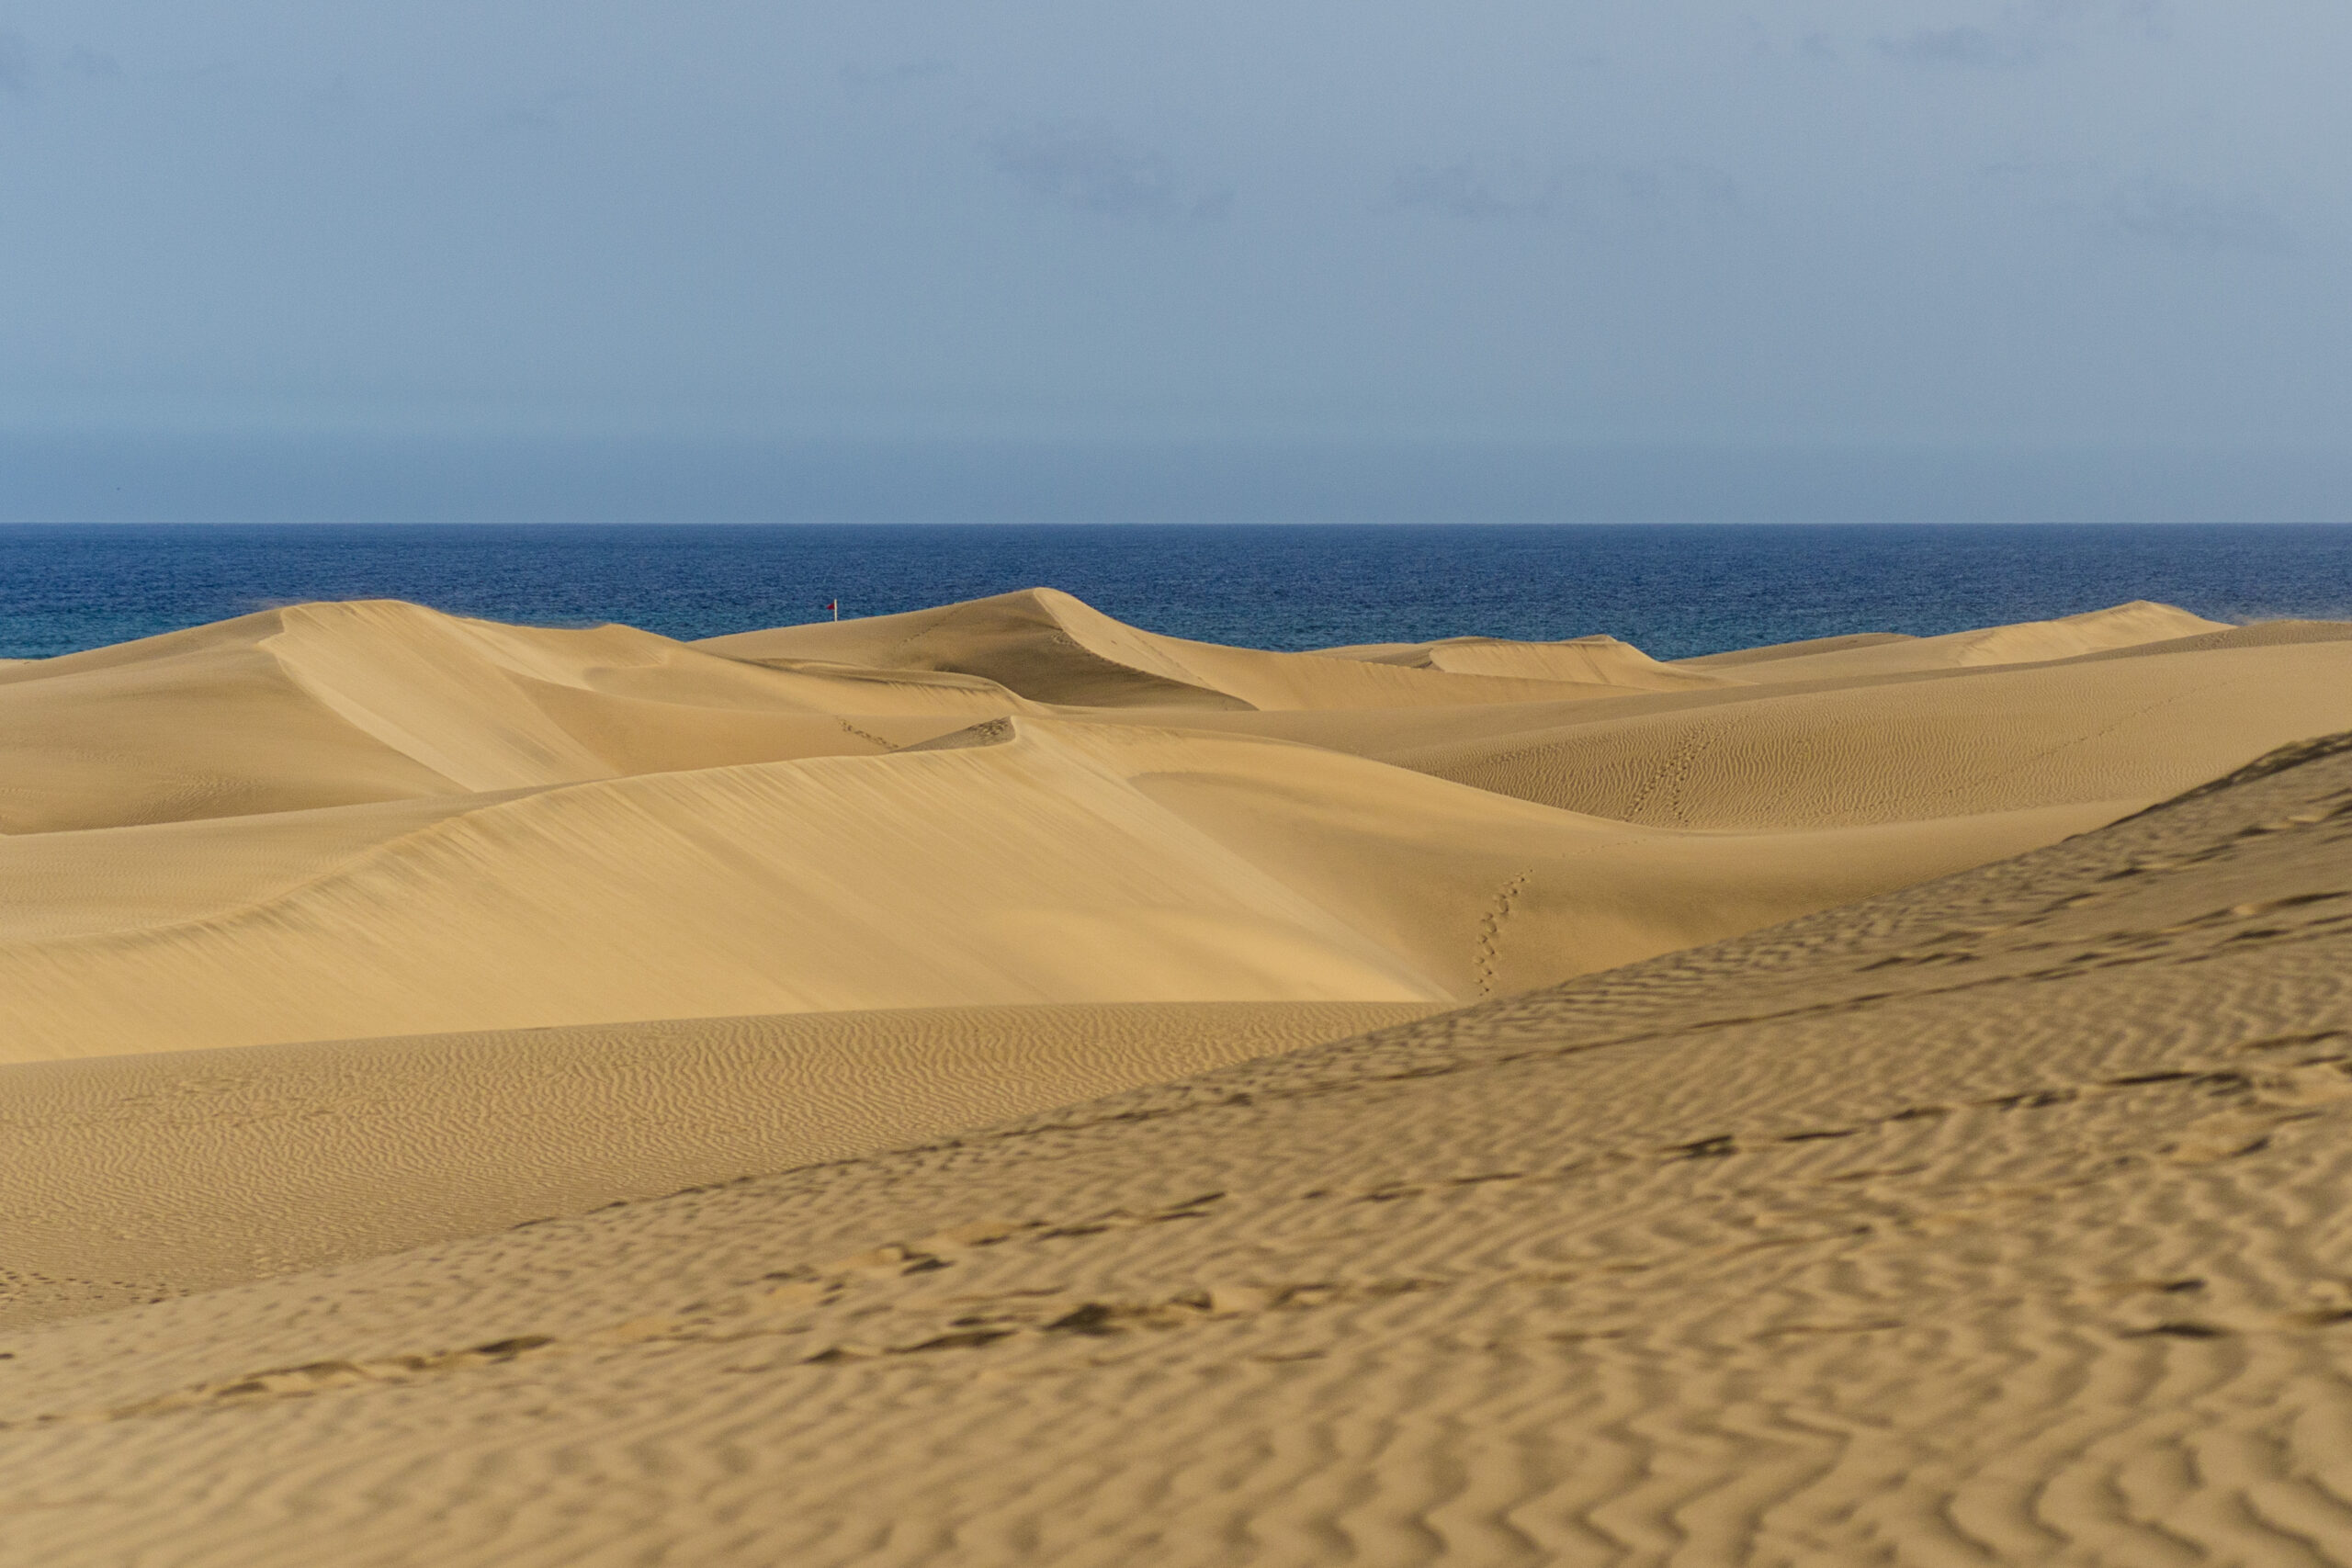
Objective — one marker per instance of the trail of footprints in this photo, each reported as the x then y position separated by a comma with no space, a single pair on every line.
1673,777
866,735
1487,954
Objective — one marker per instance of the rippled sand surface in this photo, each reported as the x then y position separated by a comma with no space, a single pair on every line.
491,1096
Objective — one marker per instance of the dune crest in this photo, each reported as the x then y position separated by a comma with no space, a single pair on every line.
333,705
2136,625
1054,648
1586,660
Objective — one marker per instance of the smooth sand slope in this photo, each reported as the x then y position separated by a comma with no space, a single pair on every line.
129,1177
1997,1220
1039,863
1585,660
2135,721
2143,722
2137,625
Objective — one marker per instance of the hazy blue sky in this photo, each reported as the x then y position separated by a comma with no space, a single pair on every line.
2109,226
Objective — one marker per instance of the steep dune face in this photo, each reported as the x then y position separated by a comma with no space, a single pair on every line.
204,723
1048,646
331,704
1996,1220
1044,644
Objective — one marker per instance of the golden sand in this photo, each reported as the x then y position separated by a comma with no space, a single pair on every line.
1815,1112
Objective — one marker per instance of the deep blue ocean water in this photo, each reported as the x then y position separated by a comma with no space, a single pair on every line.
1673,590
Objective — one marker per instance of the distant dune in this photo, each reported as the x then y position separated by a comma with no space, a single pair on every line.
1825,1106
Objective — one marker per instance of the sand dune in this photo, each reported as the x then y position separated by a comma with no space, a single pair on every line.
1989,1221
1049,863
2106,727
2136,625
1930,1156
1586,660
2137,722
1055,648
331,704
354,820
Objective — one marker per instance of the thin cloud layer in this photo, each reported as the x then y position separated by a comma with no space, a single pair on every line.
1965,46
2021,35
2151,209
2181,216
1586,193
1093,169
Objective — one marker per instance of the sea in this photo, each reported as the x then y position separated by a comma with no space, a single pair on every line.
1672,590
